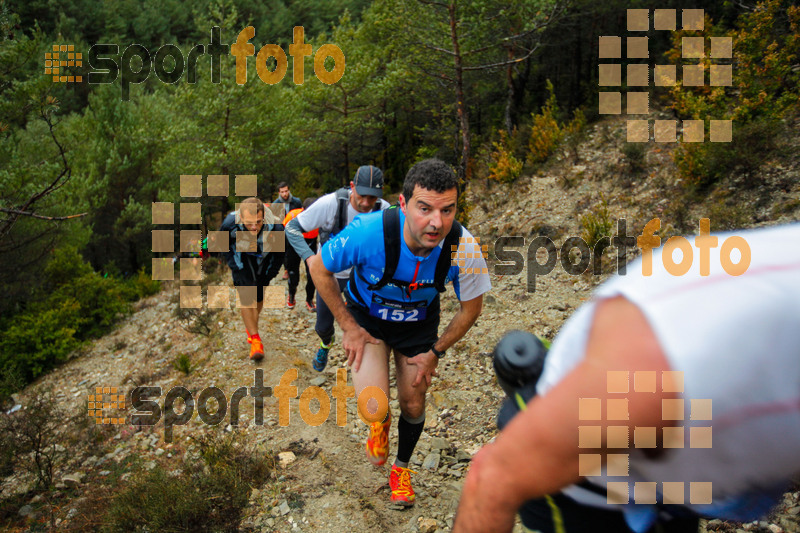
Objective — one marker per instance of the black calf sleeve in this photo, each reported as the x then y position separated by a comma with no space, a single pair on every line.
409,433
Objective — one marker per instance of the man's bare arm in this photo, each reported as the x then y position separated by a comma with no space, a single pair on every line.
427,362
460,323
354,336
537,453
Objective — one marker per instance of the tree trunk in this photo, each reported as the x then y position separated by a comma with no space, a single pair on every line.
223,201
510,91
463,119
346,147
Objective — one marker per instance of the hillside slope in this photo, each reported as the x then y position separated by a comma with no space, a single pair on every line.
326,484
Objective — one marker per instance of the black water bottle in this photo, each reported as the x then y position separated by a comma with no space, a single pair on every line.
518,363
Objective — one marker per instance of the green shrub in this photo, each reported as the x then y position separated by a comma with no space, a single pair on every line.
33,343
701,165
596,227
64,266
546,134
504,167
634,156
574,132
72,304
207,495
183,363
100,301
142,285
765,89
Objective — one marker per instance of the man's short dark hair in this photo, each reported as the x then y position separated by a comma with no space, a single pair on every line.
308,201
432,174
282,184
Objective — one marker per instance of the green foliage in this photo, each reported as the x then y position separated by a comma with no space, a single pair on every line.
574,132
71,305
142,285
634,154
444,54
303,186
207,495
346,116
766,52
703,164
183,363
504,167
546,133
596,224
596,227
766,88
33,342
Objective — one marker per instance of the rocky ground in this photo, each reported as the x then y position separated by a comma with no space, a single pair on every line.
323,482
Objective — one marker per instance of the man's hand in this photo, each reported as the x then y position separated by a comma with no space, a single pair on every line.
353,341
426,363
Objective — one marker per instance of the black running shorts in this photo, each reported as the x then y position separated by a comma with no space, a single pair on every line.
408,338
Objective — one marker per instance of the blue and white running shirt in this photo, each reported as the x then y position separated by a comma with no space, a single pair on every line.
361,244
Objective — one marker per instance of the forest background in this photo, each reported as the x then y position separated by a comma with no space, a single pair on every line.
491,87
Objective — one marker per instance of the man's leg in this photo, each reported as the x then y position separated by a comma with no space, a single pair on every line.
250,307
325,329
293,268
250,318
409,428
374,372
312,243
286,264
412,408
324,326
250,314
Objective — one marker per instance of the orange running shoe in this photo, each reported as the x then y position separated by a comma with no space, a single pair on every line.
400,483
378,441
256,349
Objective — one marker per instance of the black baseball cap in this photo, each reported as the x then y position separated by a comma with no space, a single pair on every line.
369,181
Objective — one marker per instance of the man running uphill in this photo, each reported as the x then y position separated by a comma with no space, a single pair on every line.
252,263
330,215
393,302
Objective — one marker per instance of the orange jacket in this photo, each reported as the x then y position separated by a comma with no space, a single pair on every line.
293,213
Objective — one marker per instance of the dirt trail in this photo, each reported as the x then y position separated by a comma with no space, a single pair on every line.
330,486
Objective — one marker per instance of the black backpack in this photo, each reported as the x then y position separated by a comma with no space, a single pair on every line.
342,198
392,233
